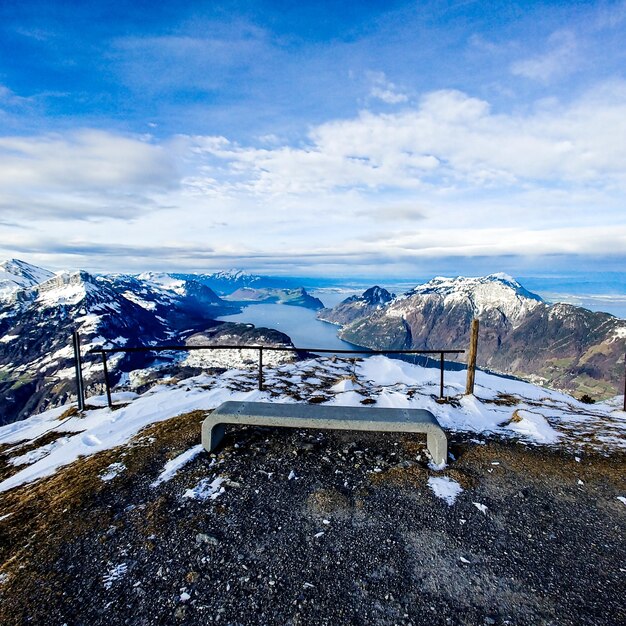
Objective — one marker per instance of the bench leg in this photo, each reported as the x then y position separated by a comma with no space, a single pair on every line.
438,447
212,434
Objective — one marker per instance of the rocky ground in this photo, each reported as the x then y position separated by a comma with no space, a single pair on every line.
300,527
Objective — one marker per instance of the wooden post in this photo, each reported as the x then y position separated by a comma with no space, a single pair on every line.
260,369
471,359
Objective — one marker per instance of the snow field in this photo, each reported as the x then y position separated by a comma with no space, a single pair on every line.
534,414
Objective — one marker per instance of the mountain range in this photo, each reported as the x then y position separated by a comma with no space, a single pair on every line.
558,345
39,310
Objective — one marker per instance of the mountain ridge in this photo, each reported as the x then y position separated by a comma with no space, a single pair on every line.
43,309
555,344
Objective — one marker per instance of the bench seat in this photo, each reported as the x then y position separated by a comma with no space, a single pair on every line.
318,416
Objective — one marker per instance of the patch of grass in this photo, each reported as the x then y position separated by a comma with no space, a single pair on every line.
539,463
71,412
413,476
467,481
328,502
599,389
502,399
24,379
42,508
515,418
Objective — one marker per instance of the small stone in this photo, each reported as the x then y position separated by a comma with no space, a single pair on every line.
180,612
206,539
192,577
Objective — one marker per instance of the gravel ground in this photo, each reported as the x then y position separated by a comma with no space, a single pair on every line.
318,528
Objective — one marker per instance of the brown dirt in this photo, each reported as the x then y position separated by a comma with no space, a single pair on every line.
546,551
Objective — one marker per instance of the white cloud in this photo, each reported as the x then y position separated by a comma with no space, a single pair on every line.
561,58
446,177
384,89
611,16
85,173
83,159
10,98
199,59
449,139
388,95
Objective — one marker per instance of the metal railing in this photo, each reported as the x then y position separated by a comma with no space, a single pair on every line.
103,352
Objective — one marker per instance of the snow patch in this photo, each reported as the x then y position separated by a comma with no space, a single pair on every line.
540,415
534,426
171,467
206,489
113,470
114,574
445,488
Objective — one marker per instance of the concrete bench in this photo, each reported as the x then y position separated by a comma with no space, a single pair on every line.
322,416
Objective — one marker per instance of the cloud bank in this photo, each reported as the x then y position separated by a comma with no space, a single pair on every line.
448,175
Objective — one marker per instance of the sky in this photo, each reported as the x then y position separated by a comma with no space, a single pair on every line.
314,138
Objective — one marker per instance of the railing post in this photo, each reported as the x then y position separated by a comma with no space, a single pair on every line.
471,359
106,378
80,388
260,369
441,364
624,382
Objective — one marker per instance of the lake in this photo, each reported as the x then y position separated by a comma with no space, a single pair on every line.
305,330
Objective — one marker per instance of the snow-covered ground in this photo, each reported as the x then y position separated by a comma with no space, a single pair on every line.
500,406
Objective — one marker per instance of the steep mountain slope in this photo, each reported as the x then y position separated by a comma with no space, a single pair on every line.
41,311
36,361
560,345
183,303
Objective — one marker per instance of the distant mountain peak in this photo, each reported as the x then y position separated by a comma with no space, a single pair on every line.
377,295
465,284
16,274
66,288
232,273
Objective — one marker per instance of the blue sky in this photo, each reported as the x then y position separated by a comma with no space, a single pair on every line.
324,138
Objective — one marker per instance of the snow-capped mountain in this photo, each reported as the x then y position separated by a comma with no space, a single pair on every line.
561,345
36,360
41,310
16,275
355,307
228,281
184,303
496,293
